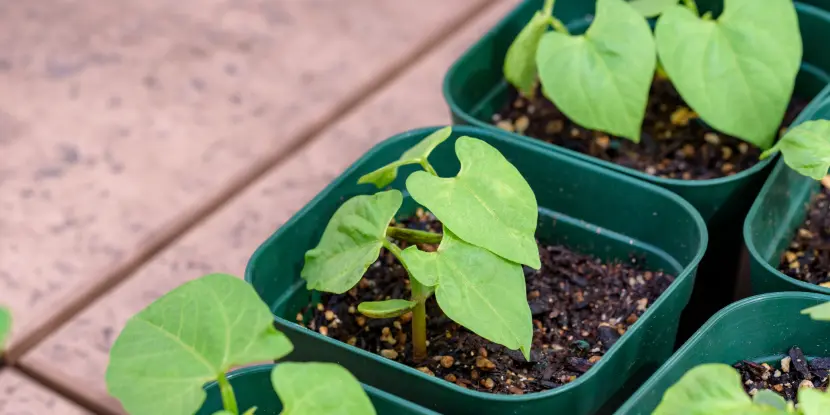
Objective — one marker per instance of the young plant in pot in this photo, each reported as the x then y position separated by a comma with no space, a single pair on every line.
200,330
459,290
715,101
797,387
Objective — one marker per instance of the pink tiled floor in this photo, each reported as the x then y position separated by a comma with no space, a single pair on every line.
145,143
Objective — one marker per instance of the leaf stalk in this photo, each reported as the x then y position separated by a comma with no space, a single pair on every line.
547,9
413,236
228,398
691,5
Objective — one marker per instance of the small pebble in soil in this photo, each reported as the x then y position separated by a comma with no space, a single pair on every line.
807,258
581,306
794,372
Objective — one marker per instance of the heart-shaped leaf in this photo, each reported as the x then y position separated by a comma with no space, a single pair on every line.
520,61
819,312
488,204
385,309
710,389
477,289
319,389
813,401
651,8
806,148
5,326
601,79
351,242
190,336
415,155
737,72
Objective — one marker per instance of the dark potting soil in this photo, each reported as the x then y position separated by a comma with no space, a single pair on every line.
788,375
674,142
808,256
580,305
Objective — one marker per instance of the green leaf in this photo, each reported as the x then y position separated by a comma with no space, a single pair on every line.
385,309
813,401
819,312
710,389
806,148
351,242
250,411
319,389
768,397
190,336
651,8
737,72
601,79
5,326
477,289
520,61
488,204
415,155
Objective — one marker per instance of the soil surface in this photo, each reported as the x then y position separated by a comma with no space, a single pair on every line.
674,143
580,305
808,256
791,373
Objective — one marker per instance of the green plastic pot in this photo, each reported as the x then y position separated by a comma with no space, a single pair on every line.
474,89
252,387
760,328
591,209
773,220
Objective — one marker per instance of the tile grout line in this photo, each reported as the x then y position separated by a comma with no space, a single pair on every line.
192,219
66,393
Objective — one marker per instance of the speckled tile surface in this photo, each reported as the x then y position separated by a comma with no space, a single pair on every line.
21,396
225,241
117,118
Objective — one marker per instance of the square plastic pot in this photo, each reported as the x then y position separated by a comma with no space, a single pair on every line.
773,220
252,387
760,328
586,207
474,89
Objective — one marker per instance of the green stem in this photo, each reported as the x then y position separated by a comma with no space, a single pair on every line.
413,236
558,26
547,9
393,249
420,293
691,5
428,167
228,398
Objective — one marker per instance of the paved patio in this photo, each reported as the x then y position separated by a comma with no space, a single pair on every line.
144,143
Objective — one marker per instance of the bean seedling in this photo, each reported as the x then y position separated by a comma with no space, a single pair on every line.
488,213
737,71
196,333
715,389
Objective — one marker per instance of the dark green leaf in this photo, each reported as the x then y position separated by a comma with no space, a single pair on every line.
651,8
488,204
319,389
351,242
190,336
477,289
737,72
819,312
520,61
418,154
806,148
601,79
385,309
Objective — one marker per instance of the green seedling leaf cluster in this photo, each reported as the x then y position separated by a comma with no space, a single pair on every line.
806,148
737,71
196,333
5,327
715,389
489,216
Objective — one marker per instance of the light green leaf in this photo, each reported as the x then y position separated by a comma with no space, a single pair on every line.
710,389
250,411
819,312
385,309
351,242
813,401
319,389
651,8
601,79
737,72
488,204
415,155
520,61
768,397
5,326
806,148
477,289
190,336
